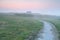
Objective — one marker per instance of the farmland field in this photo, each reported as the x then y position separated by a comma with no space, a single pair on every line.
14,27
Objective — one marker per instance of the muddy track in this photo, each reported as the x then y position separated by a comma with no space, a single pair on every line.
48,32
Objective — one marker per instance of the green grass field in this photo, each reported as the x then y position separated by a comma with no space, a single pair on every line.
14,27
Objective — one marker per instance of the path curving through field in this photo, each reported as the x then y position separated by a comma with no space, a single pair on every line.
48,32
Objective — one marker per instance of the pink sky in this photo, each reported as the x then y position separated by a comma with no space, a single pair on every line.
42,6
27,5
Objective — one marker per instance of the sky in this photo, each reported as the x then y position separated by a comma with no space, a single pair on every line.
50,7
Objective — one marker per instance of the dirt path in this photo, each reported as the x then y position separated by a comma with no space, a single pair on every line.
49,32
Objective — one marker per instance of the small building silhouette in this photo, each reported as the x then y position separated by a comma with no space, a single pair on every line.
28,12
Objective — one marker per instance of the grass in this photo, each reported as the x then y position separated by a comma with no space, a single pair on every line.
18,28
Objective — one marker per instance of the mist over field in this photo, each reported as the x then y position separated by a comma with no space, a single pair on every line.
48,7
29,19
